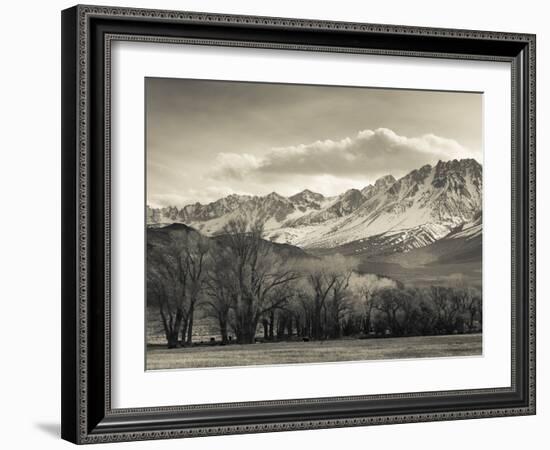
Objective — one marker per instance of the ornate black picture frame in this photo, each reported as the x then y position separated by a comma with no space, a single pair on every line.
87,34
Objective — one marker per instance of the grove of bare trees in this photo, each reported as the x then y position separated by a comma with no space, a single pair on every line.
252,291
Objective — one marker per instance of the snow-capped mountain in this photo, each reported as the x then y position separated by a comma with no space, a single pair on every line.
307,200
423,206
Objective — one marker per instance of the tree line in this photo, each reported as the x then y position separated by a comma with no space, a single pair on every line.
254,292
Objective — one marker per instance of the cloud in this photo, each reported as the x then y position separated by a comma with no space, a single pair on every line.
190,196
368,154
236,165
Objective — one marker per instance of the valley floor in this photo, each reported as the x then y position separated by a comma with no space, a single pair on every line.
160,357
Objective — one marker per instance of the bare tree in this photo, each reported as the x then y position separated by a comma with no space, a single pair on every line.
448,306
194,255
427,315
281,311
410,299
337,304
302,306
176,268
328,281
469,302
391,303
364,287
220,293
166,287
367,292
321,281
473,306
256,271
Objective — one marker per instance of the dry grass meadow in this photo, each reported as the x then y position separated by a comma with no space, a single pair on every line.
160,357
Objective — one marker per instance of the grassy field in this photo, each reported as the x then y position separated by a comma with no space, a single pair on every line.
159,357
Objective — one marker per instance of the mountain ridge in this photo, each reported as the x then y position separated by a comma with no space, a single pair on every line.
423,206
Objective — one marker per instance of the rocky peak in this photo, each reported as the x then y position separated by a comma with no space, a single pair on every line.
273,197
348,202
418,176
307,199
380,185
454,173
306,194
384,182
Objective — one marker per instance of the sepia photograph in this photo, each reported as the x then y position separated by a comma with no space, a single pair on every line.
299,224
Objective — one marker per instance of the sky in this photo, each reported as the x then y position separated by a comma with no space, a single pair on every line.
208,139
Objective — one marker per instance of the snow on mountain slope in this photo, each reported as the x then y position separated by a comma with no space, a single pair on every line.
461,246
400,241
447,194
423,206
307,200
468,230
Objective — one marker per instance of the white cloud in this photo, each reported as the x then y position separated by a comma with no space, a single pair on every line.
328,167
369,154
190,196
236,165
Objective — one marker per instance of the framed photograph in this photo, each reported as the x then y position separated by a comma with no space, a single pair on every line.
278,224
